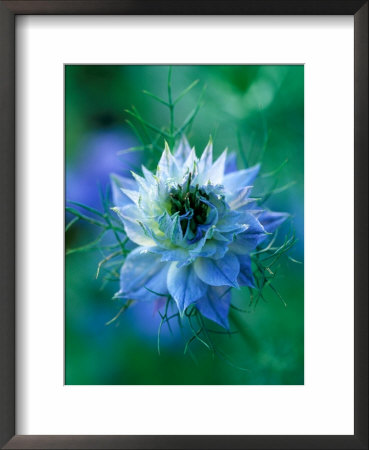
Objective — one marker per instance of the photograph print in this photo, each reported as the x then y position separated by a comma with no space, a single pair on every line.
184,224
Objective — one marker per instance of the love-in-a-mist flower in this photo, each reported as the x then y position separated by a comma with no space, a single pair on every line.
195,225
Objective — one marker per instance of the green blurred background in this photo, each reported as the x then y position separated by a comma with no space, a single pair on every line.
264,106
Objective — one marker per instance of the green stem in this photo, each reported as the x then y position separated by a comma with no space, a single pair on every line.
171,108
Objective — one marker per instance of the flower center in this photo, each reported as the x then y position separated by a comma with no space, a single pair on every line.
189,202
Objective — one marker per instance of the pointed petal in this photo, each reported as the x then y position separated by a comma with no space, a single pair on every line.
212,217
272,220
220,236
215,305
165,223
117,184
131,218
246,242
124,182
184,285
242,178
149,176
240,198
216,172
176,232
171,227
245,277
183,150
132,195
141,182
206,159
141,271
189,163
232,221
219,272
179,255
215,249
231,163
167,167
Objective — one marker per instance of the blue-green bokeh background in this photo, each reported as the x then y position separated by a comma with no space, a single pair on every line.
254,101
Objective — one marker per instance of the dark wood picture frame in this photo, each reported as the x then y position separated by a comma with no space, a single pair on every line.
8,12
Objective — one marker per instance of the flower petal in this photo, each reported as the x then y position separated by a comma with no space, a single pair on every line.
142,271
216,172
242,178
245,277
206,159
117,184
167,167
218,272
149,176
184,285
214,249
176,236
212,217
231,163
247,241
132,195
124,182
215,305
141,182
230,222
183,150
171,227
272,220
189,163
240,198
131,218
180,255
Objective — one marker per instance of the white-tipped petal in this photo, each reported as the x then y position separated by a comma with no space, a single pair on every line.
167,167
182,152
206,160
216,172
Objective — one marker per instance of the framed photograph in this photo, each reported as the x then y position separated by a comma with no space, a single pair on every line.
185,228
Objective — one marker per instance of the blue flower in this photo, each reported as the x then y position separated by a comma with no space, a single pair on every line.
195,225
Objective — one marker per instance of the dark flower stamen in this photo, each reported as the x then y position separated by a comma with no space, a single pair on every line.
190,201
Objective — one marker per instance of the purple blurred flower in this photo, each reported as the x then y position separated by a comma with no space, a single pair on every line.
97,158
